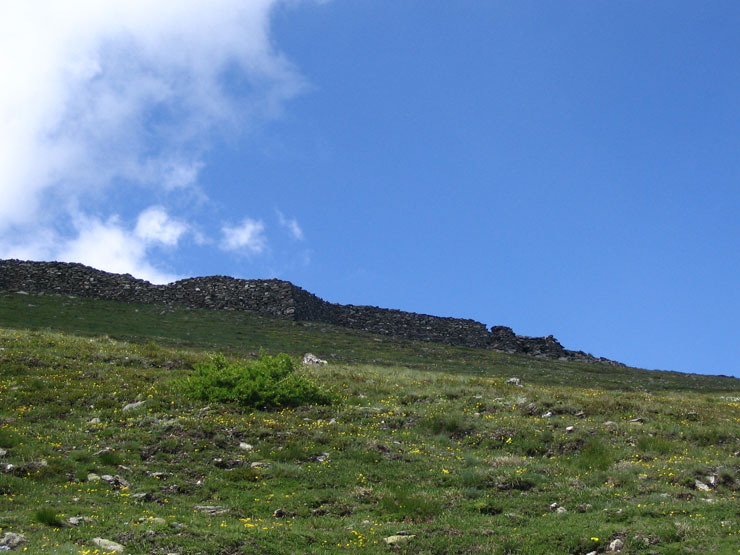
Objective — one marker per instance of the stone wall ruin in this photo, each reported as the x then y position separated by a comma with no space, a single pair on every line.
276,298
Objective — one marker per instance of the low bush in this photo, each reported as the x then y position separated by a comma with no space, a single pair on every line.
269,382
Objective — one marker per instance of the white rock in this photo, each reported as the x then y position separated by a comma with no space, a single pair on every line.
548,414
92,477
570,429
561,510
398,539
310,358
245,446
701,486
108,545
513,381
94,421
77,520
133,406
3,452
615,546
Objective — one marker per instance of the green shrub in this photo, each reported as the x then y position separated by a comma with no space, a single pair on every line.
269,382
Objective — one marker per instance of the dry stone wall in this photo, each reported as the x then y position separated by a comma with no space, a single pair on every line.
275,298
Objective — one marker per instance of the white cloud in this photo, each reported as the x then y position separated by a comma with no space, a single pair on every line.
155,226
291,224
109,246
126,94
246,237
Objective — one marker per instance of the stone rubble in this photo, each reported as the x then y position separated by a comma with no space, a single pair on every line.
275,298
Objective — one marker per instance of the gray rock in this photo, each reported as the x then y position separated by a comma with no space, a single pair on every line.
212,509
513,381
108,545
3,452
570,429
11,540
92,477
133,406
615,545
115,481
246,446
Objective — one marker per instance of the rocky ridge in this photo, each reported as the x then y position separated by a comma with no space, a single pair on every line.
275,298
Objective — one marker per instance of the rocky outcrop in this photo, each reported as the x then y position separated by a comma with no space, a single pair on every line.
275,298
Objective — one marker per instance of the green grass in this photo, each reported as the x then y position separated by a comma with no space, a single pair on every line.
423,439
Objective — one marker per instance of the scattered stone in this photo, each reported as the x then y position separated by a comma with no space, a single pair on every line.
228,464
638,420
3,452
94,421
77,520
11,540
580,414
398,539
311,359
701,486
108,545
278,513
713,480
610,423
513,381
142,496
570,429
153,520
260,465
554,506
548,414
103,450
615,545
561,510
212,509
245,446
592,553
92,477
159,475
133,406
584,507
115,481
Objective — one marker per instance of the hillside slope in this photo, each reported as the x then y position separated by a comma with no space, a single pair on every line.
428,449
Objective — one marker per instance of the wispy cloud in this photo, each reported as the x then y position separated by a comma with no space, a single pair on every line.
291,224
124,93
247,237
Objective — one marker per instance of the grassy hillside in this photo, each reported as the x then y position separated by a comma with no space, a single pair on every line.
427,449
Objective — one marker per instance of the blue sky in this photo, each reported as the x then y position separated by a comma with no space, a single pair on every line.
565,168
